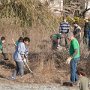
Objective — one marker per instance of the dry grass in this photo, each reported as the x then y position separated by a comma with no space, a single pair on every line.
48,66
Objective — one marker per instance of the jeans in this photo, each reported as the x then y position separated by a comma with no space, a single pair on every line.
73,69
19,69
88,39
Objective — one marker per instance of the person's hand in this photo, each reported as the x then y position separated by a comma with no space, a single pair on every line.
22,57
68,60
59,47
64,48
25,60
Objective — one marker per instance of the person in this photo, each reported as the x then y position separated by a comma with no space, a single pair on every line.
77,32
87,33
55,38
74,56
64,29
19,40
83,80
2,41
20,54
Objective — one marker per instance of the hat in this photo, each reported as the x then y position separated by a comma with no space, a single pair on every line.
75,25
69,35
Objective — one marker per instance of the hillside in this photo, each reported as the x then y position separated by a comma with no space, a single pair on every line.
33,19
29,12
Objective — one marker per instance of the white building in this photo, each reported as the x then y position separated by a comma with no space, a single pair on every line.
55,6
87,5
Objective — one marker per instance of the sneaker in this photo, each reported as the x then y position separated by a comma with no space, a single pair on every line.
68,84
6,59
11,78
75,83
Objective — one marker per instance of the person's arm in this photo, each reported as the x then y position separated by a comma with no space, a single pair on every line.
58,41
1,48
21,49
70,58
75,53
58,38
60,28
78,33
14,42
26,52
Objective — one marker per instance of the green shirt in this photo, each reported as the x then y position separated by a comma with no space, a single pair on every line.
16,43
55,38
1,47
74,45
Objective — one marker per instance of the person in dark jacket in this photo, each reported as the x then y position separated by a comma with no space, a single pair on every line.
87,33
2,41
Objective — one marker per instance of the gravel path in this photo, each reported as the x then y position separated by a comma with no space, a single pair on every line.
33,87
11,85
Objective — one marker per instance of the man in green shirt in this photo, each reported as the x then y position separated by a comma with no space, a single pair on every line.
74,52
55,40
2,41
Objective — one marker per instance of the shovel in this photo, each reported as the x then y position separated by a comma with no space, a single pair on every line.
25,63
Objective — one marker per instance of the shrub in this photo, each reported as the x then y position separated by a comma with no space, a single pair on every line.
70,20
29,13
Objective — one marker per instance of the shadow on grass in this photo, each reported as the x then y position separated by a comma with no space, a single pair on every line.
7,65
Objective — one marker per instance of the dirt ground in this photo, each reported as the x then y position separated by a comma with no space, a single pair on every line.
48,67
45,68
24,86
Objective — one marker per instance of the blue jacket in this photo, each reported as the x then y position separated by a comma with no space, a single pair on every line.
20,50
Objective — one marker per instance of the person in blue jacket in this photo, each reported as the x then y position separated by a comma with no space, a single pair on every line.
20,54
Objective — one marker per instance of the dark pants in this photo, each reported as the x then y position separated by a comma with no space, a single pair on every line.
64,35
73,69
19,69
88,39
89,43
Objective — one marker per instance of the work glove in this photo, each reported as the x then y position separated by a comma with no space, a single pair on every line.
25,60
59,47
68,60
